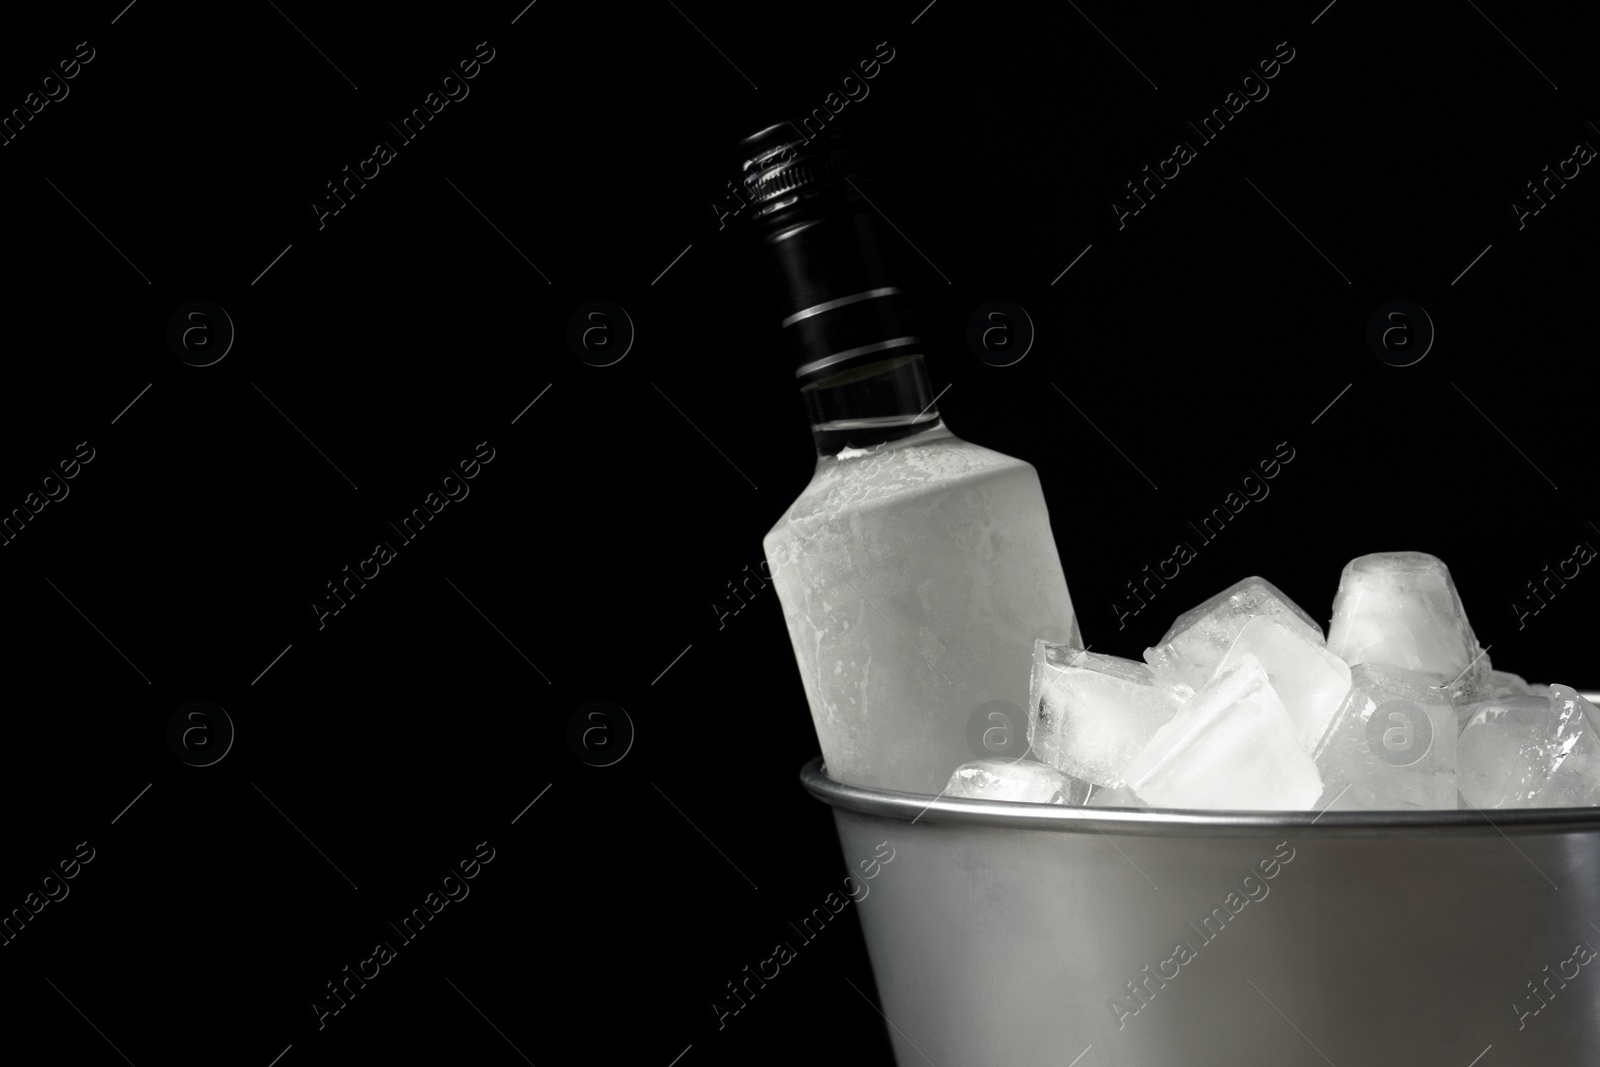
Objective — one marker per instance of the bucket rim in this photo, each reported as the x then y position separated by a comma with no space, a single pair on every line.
1056,818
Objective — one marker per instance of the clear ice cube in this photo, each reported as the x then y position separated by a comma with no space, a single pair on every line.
1401,608
1091,713
1196,642
1310,680
1506,684
1566,692
1231,746
1496,684
1020,780
1395,735
1531,752
1113,797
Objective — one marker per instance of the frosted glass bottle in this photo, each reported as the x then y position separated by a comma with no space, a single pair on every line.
914,577
916,569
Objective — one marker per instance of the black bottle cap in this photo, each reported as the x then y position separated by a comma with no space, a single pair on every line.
786,176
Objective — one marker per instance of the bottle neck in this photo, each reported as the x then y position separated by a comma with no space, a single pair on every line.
849,329
848,326
864,406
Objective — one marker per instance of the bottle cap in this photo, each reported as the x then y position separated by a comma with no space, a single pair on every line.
784,172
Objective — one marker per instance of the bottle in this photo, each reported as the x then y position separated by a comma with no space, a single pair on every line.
916,569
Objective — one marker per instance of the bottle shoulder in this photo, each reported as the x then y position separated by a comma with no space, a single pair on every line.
865,478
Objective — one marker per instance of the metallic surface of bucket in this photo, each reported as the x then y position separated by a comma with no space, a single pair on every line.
1026,935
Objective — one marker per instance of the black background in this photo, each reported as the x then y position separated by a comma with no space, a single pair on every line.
430,712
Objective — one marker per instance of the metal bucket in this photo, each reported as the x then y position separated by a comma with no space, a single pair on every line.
1025,935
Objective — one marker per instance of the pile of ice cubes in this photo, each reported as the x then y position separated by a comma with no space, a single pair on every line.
1244,705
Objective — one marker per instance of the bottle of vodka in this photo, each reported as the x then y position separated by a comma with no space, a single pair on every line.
916,569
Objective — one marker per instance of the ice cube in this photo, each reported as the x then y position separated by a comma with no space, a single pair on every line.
1016,780
1113,797
1401,608
1394,734
1200,637
1531,752
1092,713
1566,692
1347,796
1310,680
1497,684
1231,746
1506,684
